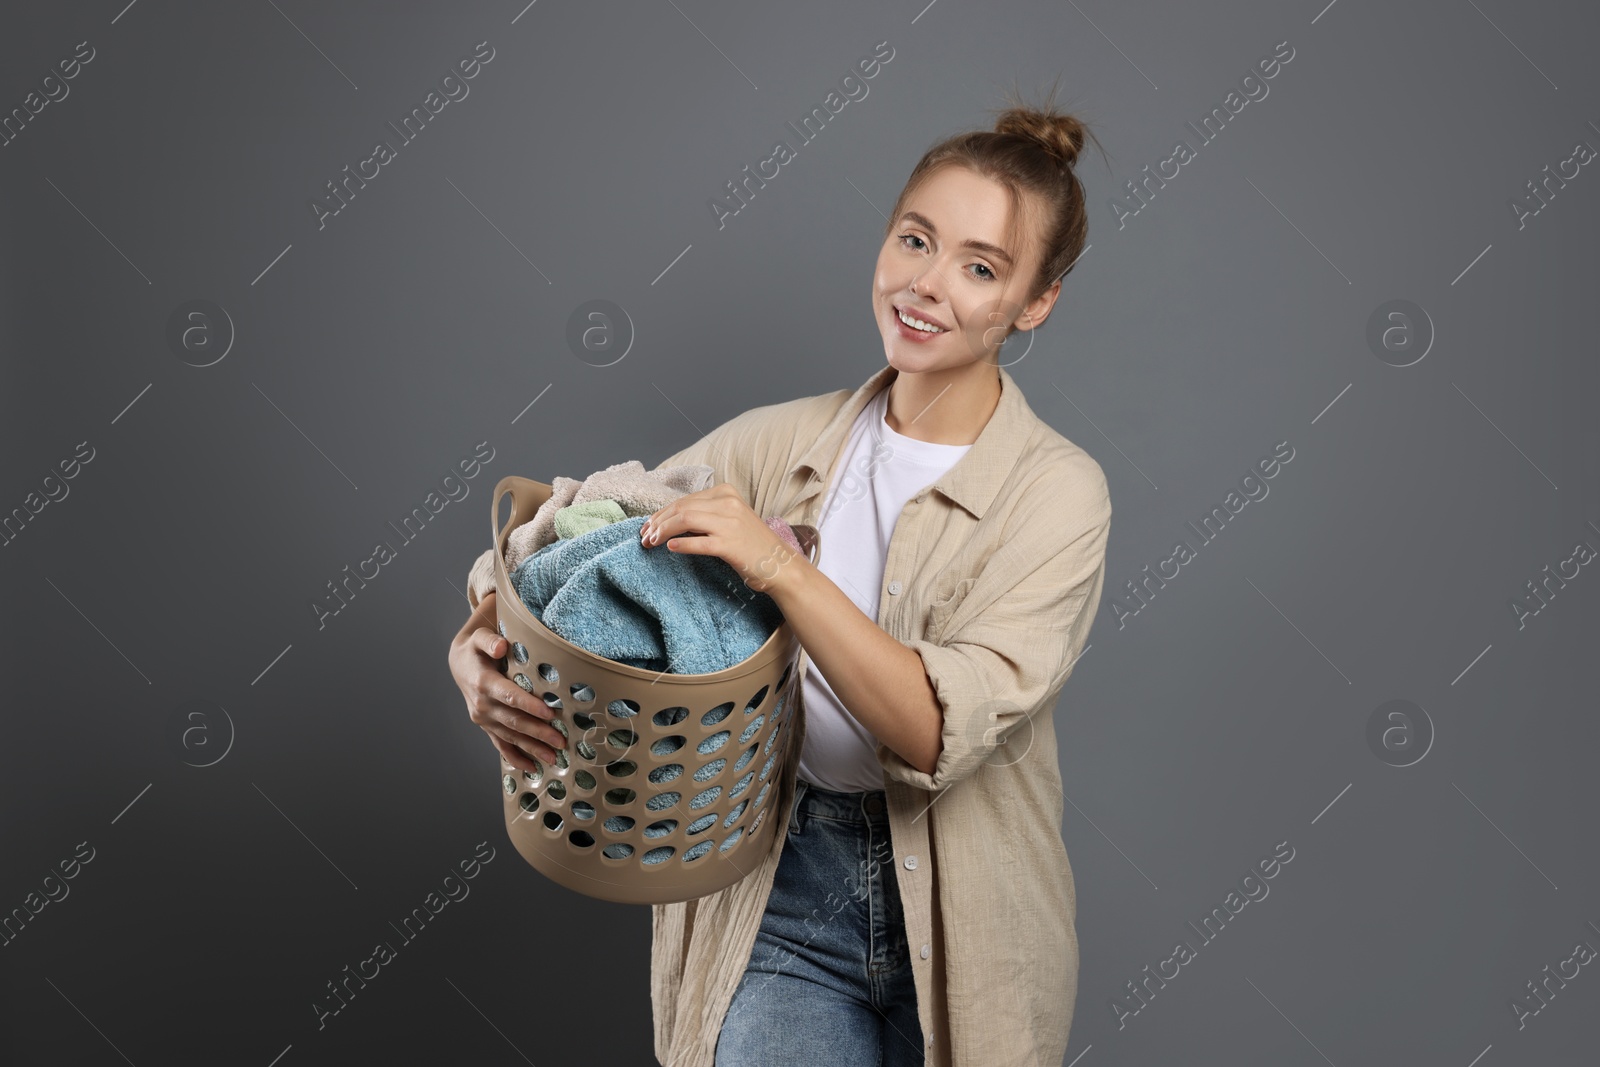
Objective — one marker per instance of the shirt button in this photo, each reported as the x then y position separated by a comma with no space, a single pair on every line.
925,951
894,588
911,863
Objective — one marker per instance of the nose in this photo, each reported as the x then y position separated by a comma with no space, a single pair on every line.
929,284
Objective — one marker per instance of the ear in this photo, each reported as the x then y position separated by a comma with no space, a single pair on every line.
1039,307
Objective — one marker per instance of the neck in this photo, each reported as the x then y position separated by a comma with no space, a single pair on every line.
944,407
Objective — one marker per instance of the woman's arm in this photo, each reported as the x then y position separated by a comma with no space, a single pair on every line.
879,680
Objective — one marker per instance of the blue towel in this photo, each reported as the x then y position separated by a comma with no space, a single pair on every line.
650,608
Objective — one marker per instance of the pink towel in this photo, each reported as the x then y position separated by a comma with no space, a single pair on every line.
782,529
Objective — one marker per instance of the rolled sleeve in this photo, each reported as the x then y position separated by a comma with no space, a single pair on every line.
1011,656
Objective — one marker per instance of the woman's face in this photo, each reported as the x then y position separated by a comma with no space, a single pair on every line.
950,242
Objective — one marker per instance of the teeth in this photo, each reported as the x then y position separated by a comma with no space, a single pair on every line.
917,324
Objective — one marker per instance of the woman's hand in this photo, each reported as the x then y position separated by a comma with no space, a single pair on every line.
516,721
717,522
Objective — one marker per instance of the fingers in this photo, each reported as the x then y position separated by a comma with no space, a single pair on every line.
674,521
514,755
489,642
482,619
502,702
529,748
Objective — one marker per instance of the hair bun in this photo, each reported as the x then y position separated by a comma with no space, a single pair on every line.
1059,134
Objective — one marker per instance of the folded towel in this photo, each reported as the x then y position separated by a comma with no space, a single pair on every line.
636,490
575,520
646,607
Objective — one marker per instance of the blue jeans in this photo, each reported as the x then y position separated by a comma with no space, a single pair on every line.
829,978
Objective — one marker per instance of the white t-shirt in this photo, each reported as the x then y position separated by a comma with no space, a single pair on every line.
879,471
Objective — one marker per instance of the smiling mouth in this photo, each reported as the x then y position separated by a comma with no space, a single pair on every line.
911,322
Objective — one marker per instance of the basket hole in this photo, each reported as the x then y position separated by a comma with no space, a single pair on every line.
561,727
736,790
551,701
549,673
533,777
581,838
501,626
738,810
583,720
660,854
755,701
760,817
619,851
621,768
714,742
702,824
668,745
696,851
584,779
620,796
519,651
666,773
529,802
710,770
618,824
552,819
509,782
773,738
586,750
661,829
556,790
767,766
717,714
750,728
733,839
662,801
763,794
749,754
582,809
623,709
583,694
706,796
622,739
523,680
670,716
561,758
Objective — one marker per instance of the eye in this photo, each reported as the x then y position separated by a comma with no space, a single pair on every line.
984,267
914,237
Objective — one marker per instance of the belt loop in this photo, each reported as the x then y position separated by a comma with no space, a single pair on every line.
800,786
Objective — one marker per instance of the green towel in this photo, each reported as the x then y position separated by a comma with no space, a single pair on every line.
575,520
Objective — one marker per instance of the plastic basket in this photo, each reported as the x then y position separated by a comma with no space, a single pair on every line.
659,795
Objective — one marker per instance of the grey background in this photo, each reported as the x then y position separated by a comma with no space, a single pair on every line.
345,779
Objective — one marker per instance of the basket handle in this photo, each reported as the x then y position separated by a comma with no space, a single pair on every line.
508,484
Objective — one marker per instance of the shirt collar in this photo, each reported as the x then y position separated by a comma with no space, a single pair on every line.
975,478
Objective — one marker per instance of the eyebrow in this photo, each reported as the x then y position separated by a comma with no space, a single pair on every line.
980,246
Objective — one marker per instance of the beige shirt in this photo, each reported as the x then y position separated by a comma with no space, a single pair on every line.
993,577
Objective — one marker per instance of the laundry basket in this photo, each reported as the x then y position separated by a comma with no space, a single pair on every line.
659,794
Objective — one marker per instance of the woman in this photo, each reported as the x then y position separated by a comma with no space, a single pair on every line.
919,907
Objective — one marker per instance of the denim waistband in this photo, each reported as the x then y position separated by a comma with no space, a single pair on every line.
869,806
